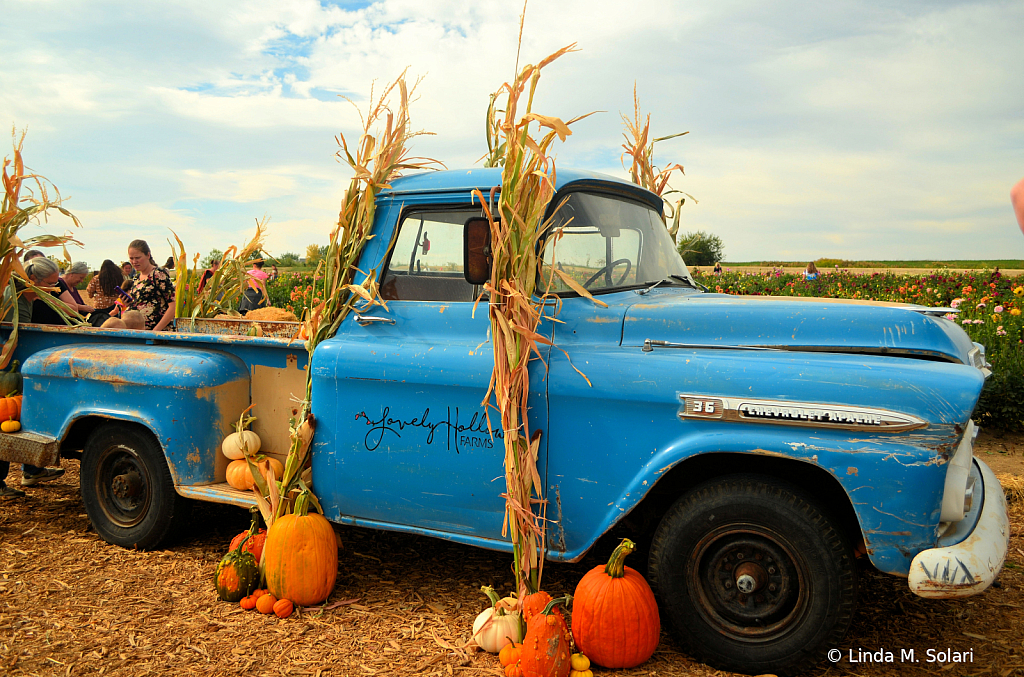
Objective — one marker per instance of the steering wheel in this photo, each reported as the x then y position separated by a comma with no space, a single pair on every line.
607,271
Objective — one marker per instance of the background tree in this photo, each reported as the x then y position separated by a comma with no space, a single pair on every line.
314,253
214,255
701,249
288,260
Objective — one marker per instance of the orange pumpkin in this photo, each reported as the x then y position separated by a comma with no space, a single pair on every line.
547,648
10,408
283,608
615,619
301,555
239,475
257,536
534,603
265,604
509,659
248,603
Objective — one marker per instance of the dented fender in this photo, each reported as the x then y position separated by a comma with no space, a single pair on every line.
186,397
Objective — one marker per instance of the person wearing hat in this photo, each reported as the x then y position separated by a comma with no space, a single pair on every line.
72,278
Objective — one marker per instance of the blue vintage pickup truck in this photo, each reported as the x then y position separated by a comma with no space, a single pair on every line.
756,446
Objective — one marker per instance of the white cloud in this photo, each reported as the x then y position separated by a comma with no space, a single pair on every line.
850,129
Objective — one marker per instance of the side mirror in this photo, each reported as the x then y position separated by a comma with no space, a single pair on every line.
476,250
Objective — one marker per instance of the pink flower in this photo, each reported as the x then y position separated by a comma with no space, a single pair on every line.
955,303
998,309
949,316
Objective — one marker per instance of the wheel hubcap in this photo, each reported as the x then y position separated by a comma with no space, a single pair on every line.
122,484
748,583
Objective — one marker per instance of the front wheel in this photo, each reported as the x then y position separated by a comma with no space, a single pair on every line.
752,576
127,487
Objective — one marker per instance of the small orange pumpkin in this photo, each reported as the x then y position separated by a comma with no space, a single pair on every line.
534,603
10,408
283,608
509,654
265,604
239,475
248,603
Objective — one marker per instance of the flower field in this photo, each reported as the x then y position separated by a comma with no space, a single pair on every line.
990,309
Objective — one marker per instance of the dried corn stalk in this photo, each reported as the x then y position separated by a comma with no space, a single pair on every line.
229,281
26,198
527,186
377,160
642,171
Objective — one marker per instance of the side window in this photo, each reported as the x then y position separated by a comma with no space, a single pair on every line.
426,264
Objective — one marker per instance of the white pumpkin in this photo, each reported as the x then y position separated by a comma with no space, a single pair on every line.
492,632
234,443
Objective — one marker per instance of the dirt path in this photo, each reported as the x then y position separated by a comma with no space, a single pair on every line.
71,604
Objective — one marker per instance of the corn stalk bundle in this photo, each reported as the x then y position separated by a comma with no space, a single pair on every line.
221,291
375,160
26,198
642,171
527,186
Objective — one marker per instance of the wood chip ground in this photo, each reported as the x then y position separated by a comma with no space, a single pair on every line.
70,604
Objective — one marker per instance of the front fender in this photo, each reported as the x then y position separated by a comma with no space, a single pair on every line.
187,397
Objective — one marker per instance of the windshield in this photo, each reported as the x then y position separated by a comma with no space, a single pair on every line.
604,242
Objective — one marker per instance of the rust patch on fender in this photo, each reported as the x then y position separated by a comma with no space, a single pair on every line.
851,471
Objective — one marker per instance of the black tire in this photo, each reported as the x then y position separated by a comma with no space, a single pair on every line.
797,569
127,487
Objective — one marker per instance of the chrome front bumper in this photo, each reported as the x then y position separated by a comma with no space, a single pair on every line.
971,565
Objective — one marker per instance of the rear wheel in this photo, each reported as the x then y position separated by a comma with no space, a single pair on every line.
127,487
752,576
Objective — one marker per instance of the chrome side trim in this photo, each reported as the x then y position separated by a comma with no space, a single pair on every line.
806,414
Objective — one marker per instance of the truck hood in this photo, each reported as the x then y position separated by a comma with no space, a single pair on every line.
796,324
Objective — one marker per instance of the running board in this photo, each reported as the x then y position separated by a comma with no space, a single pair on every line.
217,493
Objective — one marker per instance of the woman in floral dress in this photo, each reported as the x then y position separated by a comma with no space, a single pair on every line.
153,292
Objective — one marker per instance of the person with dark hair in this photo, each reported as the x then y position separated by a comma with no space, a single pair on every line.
153,292
127,271
208,274
31,254
102,288
169,263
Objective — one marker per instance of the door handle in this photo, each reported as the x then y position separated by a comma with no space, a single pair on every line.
365,320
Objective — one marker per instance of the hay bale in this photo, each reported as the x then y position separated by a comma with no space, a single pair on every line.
1013,486
271,314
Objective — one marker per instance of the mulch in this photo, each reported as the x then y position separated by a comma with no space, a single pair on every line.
70,604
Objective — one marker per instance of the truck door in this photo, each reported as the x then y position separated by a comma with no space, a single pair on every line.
406,444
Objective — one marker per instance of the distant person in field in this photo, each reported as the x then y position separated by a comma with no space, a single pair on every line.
718,267
811,272
1017,200
208,274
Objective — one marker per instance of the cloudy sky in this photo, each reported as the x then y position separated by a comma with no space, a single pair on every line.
858,130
